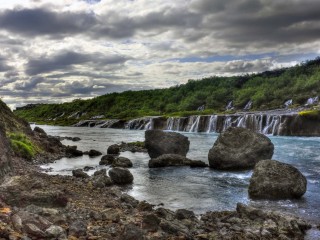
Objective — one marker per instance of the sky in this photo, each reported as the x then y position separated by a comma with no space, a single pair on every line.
57,51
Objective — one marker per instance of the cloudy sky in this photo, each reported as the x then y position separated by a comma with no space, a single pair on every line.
55,51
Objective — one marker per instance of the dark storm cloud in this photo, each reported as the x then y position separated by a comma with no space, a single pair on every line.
33,22
64,61
234,21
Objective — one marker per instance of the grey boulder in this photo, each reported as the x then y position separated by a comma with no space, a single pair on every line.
158,143
239,148
275,180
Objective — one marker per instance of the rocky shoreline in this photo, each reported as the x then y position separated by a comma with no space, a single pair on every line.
34,205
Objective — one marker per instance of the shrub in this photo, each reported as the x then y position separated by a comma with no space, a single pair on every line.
22,146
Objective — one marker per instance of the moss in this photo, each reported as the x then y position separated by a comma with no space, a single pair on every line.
310,114
137,144
22,146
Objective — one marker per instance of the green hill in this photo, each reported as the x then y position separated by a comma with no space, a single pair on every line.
267,90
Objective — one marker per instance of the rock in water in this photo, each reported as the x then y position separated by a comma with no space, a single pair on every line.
94,153
275,180
159,142
239,148
120,175
79,173
122,162
173,160
113,149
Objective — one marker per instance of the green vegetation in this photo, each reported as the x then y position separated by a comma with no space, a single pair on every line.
267,90
310,114
22,146
137,144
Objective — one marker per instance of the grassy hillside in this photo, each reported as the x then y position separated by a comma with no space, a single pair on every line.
267,90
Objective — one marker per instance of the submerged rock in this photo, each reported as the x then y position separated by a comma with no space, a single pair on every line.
167,160
239,148
122,162
158,143
121,175
275,180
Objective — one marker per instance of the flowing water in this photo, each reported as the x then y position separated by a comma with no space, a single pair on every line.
201,189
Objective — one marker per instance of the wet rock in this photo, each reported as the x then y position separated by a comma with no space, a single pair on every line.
158,143
239,148
122,162
94,153
113,149
100,172
132,232
133,147
198,163
275,180
79,173
167,160
121,176
71,151
184,214
87,168
107,160
78,228
150,222
75,139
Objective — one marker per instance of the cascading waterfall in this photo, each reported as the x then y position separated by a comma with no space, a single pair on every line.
195,125
312,101
212,127
227,123
248,105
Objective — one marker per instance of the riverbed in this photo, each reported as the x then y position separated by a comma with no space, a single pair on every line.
201,189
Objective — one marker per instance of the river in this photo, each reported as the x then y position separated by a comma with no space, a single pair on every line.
201,189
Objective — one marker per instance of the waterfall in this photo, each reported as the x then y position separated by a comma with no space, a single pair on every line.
248,105
312,101
149,125
288,103
195,125
170,122
229,105
227,123
273,125
212,126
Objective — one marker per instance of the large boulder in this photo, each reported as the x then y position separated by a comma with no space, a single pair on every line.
275,180
113,149
239,148
158,143
120,175
173,160
107,159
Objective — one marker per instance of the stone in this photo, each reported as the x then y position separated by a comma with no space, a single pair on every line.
238,149
132,232
78,228
34,230
122,162
87,168
40,131
94,153
113,149
150,222
5,158
120,176
198,163
100,172
129,200
172,160
275,180
107,160
71,151
79,173
55,231
158,142
181,214
101,181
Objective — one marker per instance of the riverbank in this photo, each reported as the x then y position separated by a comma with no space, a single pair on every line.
40,206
